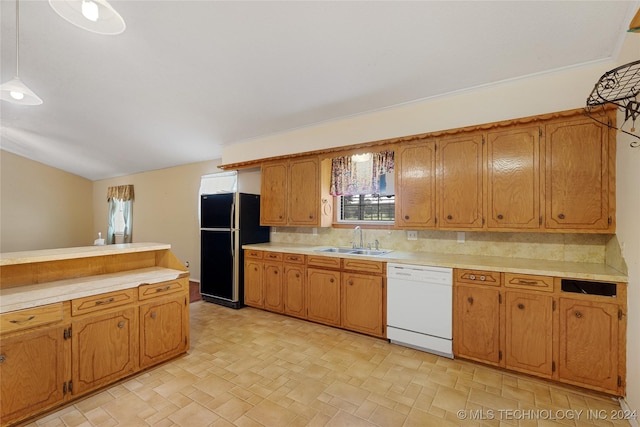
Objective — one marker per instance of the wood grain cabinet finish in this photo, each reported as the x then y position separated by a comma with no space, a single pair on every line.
30,318
33,368
272,279
273,194
253,287
589,344
459,188
323,296
579,173
164,326
529,333
416,185
362,303
294,286
513,178
104,348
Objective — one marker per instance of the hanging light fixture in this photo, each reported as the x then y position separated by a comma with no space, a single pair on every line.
97,16
15,91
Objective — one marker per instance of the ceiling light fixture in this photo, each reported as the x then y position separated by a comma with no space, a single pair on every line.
14,90
97,16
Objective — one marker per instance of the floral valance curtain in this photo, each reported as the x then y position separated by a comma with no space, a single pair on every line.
122,192
360,173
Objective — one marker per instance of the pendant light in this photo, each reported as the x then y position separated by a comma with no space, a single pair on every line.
97,16
15,91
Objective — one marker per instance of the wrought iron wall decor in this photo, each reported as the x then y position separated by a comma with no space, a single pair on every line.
619,87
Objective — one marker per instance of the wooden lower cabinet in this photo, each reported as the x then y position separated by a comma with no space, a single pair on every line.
104,348
272,286
164,326
323,296
589,344
35,371
529,333
476,329
293,290
362,303
253,271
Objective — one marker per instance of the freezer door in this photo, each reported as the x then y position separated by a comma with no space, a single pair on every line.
217,210
218,265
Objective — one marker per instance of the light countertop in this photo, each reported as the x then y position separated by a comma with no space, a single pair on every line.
576,270
26,257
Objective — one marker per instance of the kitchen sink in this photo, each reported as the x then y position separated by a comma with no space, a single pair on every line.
357,251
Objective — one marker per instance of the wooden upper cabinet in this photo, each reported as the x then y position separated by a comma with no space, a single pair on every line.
460,181
273,195
513,178
304,192
293,193
416,185
580,170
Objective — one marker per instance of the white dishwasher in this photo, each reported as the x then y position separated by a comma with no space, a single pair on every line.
419,307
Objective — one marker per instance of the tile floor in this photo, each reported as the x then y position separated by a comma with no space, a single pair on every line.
253,368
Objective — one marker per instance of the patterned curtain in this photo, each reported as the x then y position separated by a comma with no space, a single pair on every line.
359,174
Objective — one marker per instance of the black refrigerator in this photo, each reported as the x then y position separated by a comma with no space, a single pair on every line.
227,221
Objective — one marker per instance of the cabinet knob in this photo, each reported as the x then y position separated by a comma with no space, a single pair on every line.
521,306
449,217
472,276
3,357
154,315
406,217
500,216
470,299
297,275
310,216
330,280
578,314
482,278
121,325
561,216
350,282
279,216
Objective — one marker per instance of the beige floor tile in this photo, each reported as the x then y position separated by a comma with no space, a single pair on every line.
250,368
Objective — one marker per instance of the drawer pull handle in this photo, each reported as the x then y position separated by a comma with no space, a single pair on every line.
154,315
120,325
578,314
472,277
105,301
521,306
3,357
294,258
19,322
166,288
470,299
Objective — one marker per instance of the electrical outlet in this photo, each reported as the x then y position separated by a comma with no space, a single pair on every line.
412,235
186,264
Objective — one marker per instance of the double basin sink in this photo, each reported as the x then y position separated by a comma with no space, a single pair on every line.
355,251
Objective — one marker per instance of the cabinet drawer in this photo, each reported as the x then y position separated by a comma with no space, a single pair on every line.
30,317
362,265
528,281
294,258
324,261
478,277
102,301
154,290
272,256
253,254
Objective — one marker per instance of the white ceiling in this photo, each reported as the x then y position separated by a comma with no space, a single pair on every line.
188,77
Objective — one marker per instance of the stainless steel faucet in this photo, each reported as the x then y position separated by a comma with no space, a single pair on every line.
355,231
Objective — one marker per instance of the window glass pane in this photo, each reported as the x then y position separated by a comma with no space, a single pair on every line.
367,207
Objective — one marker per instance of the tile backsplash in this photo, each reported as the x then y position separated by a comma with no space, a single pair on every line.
561,247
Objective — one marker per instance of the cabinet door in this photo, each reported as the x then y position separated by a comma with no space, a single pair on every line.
460,181
272,285
253,283
528,333
104,349
362,303
476,323
294,290
323,296
513,178
33,368
163,330
416,185
589,344
304,192
578,186
273,199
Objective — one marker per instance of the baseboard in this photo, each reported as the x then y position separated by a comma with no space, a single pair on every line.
627,410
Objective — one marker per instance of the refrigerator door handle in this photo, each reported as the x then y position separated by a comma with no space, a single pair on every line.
233,243
232,221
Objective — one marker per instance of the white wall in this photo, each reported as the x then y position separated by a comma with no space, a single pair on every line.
567,89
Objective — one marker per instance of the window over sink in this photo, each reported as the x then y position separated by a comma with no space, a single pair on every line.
363,185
